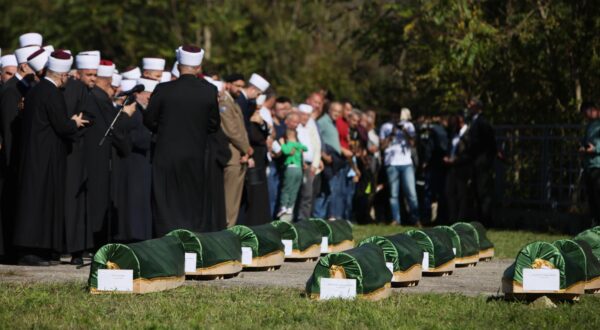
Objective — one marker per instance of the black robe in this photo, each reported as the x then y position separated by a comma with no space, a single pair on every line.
217,156
97,160
40,208
12,95
182,113
76,99
132,182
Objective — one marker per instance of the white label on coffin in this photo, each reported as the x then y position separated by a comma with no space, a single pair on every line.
454,251
425,262
115,280
287,246
541,279
324,244
390,266
246,256
190,262
338,288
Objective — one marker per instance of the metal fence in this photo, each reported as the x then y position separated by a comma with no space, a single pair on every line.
542,167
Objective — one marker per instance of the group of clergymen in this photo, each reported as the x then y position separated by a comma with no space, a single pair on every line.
88,157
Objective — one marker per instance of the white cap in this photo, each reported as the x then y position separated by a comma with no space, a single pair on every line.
133,74
149,84
30,39
153,63
87,61
49,49
188,57
260,82
260,100
305,108
9,60
175,70
106,69
127,84
166,76
218,84
116,80
38,60
23,53
60,65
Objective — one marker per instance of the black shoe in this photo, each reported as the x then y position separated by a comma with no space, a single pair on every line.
33,260
76,261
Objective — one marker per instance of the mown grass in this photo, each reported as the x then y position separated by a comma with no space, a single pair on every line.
70,306
507,243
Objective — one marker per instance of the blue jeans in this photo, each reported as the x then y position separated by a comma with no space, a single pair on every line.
403,177
273,182
330,201
347,191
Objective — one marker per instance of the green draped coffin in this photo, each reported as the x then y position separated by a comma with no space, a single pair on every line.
403,253
217,253
365,263
264,242
305,236
438,245
589,241
338,233
465,242
157,264
486,247
565,255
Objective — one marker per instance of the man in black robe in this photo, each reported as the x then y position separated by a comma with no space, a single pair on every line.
181,113
76,93
98,158
12,96
40,223
132,176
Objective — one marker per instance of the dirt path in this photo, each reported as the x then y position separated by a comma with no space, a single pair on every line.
483,279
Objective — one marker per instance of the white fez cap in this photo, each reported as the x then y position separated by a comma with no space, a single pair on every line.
30,39
23,53
87,61
189,57
305,108
166,76
106,69
38,60
133,74
60,65
259,82
175,70
149,84
91,52
218,84
116,80
127,84
153,64
260,100
9,60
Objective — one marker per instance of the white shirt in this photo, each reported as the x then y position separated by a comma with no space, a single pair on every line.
398,151
374,142
266,116
304,138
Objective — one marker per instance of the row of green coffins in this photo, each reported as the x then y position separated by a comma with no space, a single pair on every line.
160,264
378,262
566,268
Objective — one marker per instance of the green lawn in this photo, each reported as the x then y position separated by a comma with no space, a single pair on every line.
70,306
507,243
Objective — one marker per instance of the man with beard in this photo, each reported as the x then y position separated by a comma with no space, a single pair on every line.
247,97
40,224
76,93
181,113
9,67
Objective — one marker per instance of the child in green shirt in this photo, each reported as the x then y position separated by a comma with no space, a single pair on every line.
292,177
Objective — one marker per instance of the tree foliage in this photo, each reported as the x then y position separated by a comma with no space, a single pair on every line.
530,61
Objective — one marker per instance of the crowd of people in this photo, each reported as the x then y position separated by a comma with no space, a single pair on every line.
91,155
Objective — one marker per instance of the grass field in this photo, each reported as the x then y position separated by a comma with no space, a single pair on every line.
200,306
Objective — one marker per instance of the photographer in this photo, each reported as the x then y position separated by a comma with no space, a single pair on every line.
397,139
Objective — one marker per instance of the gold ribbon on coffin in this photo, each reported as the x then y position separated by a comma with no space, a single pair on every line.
542,264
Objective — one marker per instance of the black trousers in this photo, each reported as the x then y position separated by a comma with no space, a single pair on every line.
483,182
459,195
592,180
